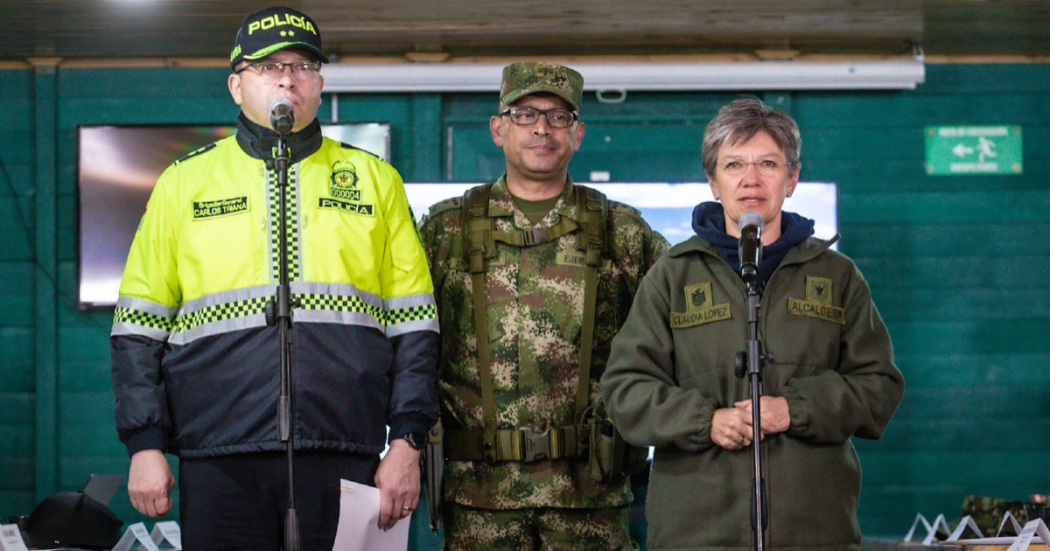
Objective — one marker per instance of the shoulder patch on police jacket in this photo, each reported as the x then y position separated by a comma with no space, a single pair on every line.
700,307
348,146
191,154
818,302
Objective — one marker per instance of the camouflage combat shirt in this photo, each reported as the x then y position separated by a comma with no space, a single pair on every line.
534,297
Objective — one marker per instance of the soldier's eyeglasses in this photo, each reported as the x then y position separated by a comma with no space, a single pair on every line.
274,70
527,116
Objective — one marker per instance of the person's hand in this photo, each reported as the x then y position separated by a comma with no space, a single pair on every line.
150,483
731,428
398,483
775,416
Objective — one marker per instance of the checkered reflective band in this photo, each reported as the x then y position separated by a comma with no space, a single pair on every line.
337,303
221,312
138,317
413,313
292,224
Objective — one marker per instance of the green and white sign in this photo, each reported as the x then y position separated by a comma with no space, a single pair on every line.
955,150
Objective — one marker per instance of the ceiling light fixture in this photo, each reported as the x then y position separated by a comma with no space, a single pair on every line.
637,76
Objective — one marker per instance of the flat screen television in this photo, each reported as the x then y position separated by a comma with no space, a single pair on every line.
117,167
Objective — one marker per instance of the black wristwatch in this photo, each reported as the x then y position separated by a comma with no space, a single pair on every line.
415,439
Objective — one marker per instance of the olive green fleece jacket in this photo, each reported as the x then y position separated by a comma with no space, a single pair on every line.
672,366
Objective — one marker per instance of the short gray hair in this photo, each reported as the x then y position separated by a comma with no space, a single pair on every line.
740,120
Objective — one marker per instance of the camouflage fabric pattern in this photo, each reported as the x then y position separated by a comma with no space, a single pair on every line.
546,529
529,77
534,297
988,512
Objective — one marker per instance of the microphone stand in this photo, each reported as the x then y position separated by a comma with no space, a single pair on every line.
282,317
750,363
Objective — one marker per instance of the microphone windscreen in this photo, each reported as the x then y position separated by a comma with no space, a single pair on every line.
752,218
282,116
282,103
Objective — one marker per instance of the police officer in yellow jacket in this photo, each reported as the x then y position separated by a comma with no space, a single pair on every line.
196,368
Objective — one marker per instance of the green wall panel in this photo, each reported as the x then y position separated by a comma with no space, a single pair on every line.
16,221
985,79
875,113
981,240
16,295
45,114
982,274
145,83
875,175
474,157
17,365
17,501
926,369
946,207
16,151
985,304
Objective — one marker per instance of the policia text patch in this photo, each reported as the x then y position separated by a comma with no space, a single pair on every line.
345,206
219,207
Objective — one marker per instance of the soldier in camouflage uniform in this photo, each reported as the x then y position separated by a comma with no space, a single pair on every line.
534,304
988,512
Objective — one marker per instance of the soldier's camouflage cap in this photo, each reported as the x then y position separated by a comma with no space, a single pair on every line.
529,77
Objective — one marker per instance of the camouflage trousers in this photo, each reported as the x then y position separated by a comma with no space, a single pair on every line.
540,529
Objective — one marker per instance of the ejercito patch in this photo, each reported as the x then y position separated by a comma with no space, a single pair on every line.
577,258
700,307
818,302
220,207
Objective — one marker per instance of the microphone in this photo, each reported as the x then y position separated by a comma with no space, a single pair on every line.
282,116
750,251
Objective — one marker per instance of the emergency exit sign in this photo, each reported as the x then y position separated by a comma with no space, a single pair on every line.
960,150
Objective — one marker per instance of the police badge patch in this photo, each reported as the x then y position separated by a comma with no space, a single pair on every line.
344,181
345,195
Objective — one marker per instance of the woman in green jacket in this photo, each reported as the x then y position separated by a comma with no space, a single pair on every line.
670,381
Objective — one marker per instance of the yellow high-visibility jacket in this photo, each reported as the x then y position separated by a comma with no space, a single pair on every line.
196,368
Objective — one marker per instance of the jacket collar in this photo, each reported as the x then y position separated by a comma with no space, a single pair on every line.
261,143
501,203
804,251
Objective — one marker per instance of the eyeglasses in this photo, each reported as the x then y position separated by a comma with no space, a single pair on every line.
527,116
274,70
765,167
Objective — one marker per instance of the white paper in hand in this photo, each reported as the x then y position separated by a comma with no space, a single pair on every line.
359,522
